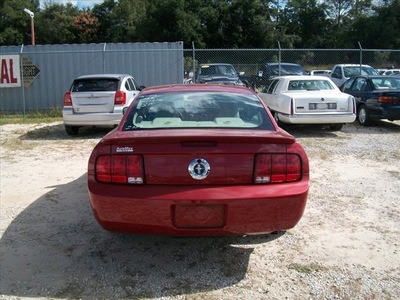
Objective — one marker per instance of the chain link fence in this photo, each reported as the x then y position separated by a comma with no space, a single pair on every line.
47,71
55,66
250,61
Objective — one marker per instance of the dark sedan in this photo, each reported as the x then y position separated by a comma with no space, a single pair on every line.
377,97
198,159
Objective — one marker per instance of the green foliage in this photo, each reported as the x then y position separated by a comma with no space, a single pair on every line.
32,117
209,23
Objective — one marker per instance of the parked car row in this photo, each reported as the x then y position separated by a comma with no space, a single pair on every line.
100,99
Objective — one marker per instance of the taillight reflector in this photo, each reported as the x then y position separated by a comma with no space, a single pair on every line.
67,99
119,169
275,168
120,98
388,99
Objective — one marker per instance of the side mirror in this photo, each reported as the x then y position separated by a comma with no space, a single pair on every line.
124,110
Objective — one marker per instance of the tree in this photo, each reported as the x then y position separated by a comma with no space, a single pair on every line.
86,24
55,24
15,23
306,19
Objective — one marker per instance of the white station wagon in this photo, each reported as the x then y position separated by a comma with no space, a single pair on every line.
309,100
98,100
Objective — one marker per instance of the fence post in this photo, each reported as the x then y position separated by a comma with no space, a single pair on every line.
193,63
21,70
279,58
361,53
104,58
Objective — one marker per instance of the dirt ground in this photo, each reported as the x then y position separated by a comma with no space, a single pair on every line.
346,246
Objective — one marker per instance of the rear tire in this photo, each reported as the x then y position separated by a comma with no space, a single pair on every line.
276,117
71,130
335,127
363,116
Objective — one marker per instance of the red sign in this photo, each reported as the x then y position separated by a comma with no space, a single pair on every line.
10,71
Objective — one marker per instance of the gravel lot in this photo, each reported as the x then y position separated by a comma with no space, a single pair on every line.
345,247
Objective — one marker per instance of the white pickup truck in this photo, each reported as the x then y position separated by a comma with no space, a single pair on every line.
341,72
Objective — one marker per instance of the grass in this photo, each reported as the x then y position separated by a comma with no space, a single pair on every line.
31,118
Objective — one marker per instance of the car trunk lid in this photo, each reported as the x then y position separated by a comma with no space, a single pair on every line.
93,102
168,155
94,95
326,102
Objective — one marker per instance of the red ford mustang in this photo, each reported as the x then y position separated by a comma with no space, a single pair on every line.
198,160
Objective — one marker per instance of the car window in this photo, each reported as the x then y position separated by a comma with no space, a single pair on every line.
224,70
135,84
348,84
272,86
359,85
386,83
197,110
94,85
337,72
297,85
287,70
355,70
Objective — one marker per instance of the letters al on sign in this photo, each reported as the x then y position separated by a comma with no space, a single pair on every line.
10,71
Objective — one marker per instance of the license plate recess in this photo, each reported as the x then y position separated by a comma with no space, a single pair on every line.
188,216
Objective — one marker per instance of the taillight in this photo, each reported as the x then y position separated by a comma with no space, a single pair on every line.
119,169
274,168
67,99
388,99
120,98
292,107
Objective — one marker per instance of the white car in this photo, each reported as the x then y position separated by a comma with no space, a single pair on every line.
319,72
98,100
309,100
391,72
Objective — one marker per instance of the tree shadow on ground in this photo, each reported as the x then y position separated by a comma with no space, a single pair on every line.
55,248
57,132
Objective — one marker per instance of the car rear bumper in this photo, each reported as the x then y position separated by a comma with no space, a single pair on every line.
208,211
318,118
392,114
91,119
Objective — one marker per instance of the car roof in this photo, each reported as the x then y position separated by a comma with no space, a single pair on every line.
286,64
352,65
197,88
116,76
371,76
303,77
216,64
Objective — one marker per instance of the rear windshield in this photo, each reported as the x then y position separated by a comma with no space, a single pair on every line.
287,70
223,70
386,83
310,85
95,85
197,110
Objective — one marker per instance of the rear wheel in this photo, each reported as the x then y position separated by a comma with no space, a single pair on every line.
71,130
276,117
363,116
335,127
